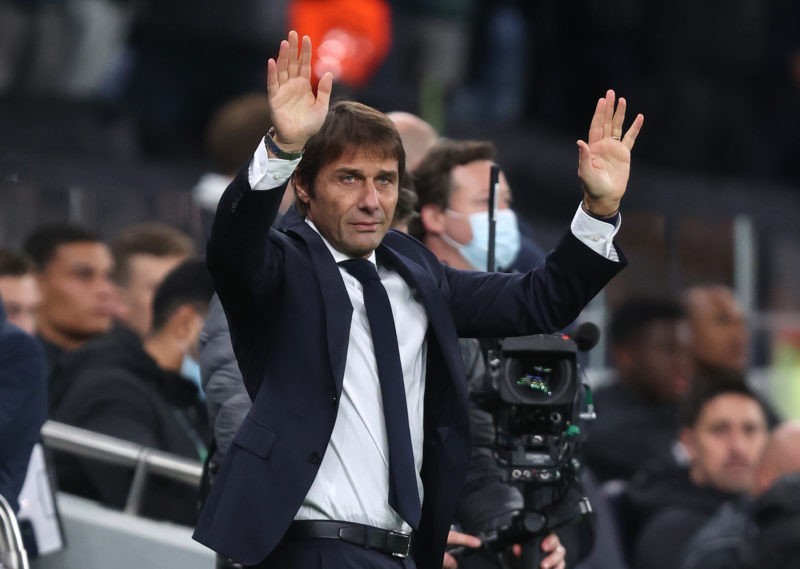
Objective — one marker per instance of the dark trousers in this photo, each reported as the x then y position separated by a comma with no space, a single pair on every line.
329,554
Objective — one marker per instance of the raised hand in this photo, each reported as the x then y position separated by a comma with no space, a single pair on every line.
604,164
297,113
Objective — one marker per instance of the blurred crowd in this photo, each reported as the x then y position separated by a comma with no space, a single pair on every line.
684,449
729,70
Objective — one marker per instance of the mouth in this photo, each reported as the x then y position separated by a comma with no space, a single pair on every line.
367,226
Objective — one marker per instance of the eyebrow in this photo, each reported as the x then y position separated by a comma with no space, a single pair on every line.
360,173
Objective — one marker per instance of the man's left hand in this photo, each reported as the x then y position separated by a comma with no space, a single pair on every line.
557,553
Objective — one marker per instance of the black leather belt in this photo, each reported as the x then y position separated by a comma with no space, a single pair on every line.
394,543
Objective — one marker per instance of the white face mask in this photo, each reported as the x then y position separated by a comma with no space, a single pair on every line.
506,239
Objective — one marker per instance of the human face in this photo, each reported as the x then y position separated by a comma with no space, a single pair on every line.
145,273
470,194
719,329
21,300
354,201
726,444
659,361
77,294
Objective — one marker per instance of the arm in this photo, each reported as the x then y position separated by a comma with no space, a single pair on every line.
239,254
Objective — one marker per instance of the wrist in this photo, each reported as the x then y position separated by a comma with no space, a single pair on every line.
602,211
277,148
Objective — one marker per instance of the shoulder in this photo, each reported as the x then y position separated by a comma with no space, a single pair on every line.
21,355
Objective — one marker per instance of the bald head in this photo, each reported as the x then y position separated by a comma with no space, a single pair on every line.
417,135
719,329
781,456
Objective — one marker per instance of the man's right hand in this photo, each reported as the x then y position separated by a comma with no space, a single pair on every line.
297,114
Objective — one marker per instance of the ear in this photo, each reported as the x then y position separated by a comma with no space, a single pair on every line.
433,218
182,324
300,190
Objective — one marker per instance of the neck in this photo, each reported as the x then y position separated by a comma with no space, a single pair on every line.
166,353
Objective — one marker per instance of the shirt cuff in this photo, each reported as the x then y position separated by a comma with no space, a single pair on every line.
267,173
596,234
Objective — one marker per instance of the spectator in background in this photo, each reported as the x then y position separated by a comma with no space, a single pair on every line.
417,136
724,433
720,336
719,328
751,533
23,404
135,392
73,270
638,414
143,255
19,290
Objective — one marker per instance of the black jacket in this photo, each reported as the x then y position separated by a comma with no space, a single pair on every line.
669,508
115,388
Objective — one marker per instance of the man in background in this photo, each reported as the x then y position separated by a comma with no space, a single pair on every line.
638,417
19,290
143,255
73,270
724,433
124,388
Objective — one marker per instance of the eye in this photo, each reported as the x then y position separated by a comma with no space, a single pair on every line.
347,179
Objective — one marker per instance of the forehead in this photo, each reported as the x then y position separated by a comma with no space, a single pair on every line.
83,252
732,407
473,178
364,159
712,302
658,331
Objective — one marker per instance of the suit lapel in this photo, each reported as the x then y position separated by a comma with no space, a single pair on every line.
336,302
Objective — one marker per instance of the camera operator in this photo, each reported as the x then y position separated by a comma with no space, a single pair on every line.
452,182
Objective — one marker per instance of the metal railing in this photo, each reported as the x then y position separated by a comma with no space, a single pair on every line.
144,460
12,550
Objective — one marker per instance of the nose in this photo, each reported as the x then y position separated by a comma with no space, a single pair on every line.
369,196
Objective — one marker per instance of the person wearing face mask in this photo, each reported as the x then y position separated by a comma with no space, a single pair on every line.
139,391
454,210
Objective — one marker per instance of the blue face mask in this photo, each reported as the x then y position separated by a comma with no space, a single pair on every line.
506,239
190,369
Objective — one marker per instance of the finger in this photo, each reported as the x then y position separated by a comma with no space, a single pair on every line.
283,63
305,58
619,119
596,126
272,78
550,543
294,62
449,562
630,137
458,538
555,559
609,112
324,88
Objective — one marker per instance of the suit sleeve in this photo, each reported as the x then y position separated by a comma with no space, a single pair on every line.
243,260
544,300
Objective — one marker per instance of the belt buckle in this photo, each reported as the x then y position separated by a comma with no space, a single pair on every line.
402,540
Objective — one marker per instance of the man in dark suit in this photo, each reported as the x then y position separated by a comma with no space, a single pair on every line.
312,474
23,404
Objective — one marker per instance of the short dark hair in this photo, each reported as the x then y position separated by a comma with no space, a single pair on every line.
635,314
41,245
705,388
188,283
432,176
14,264
156,239
349,126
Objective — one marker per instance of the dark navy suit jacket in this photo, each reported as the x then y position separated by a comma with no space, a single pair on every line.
289,316
23,404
